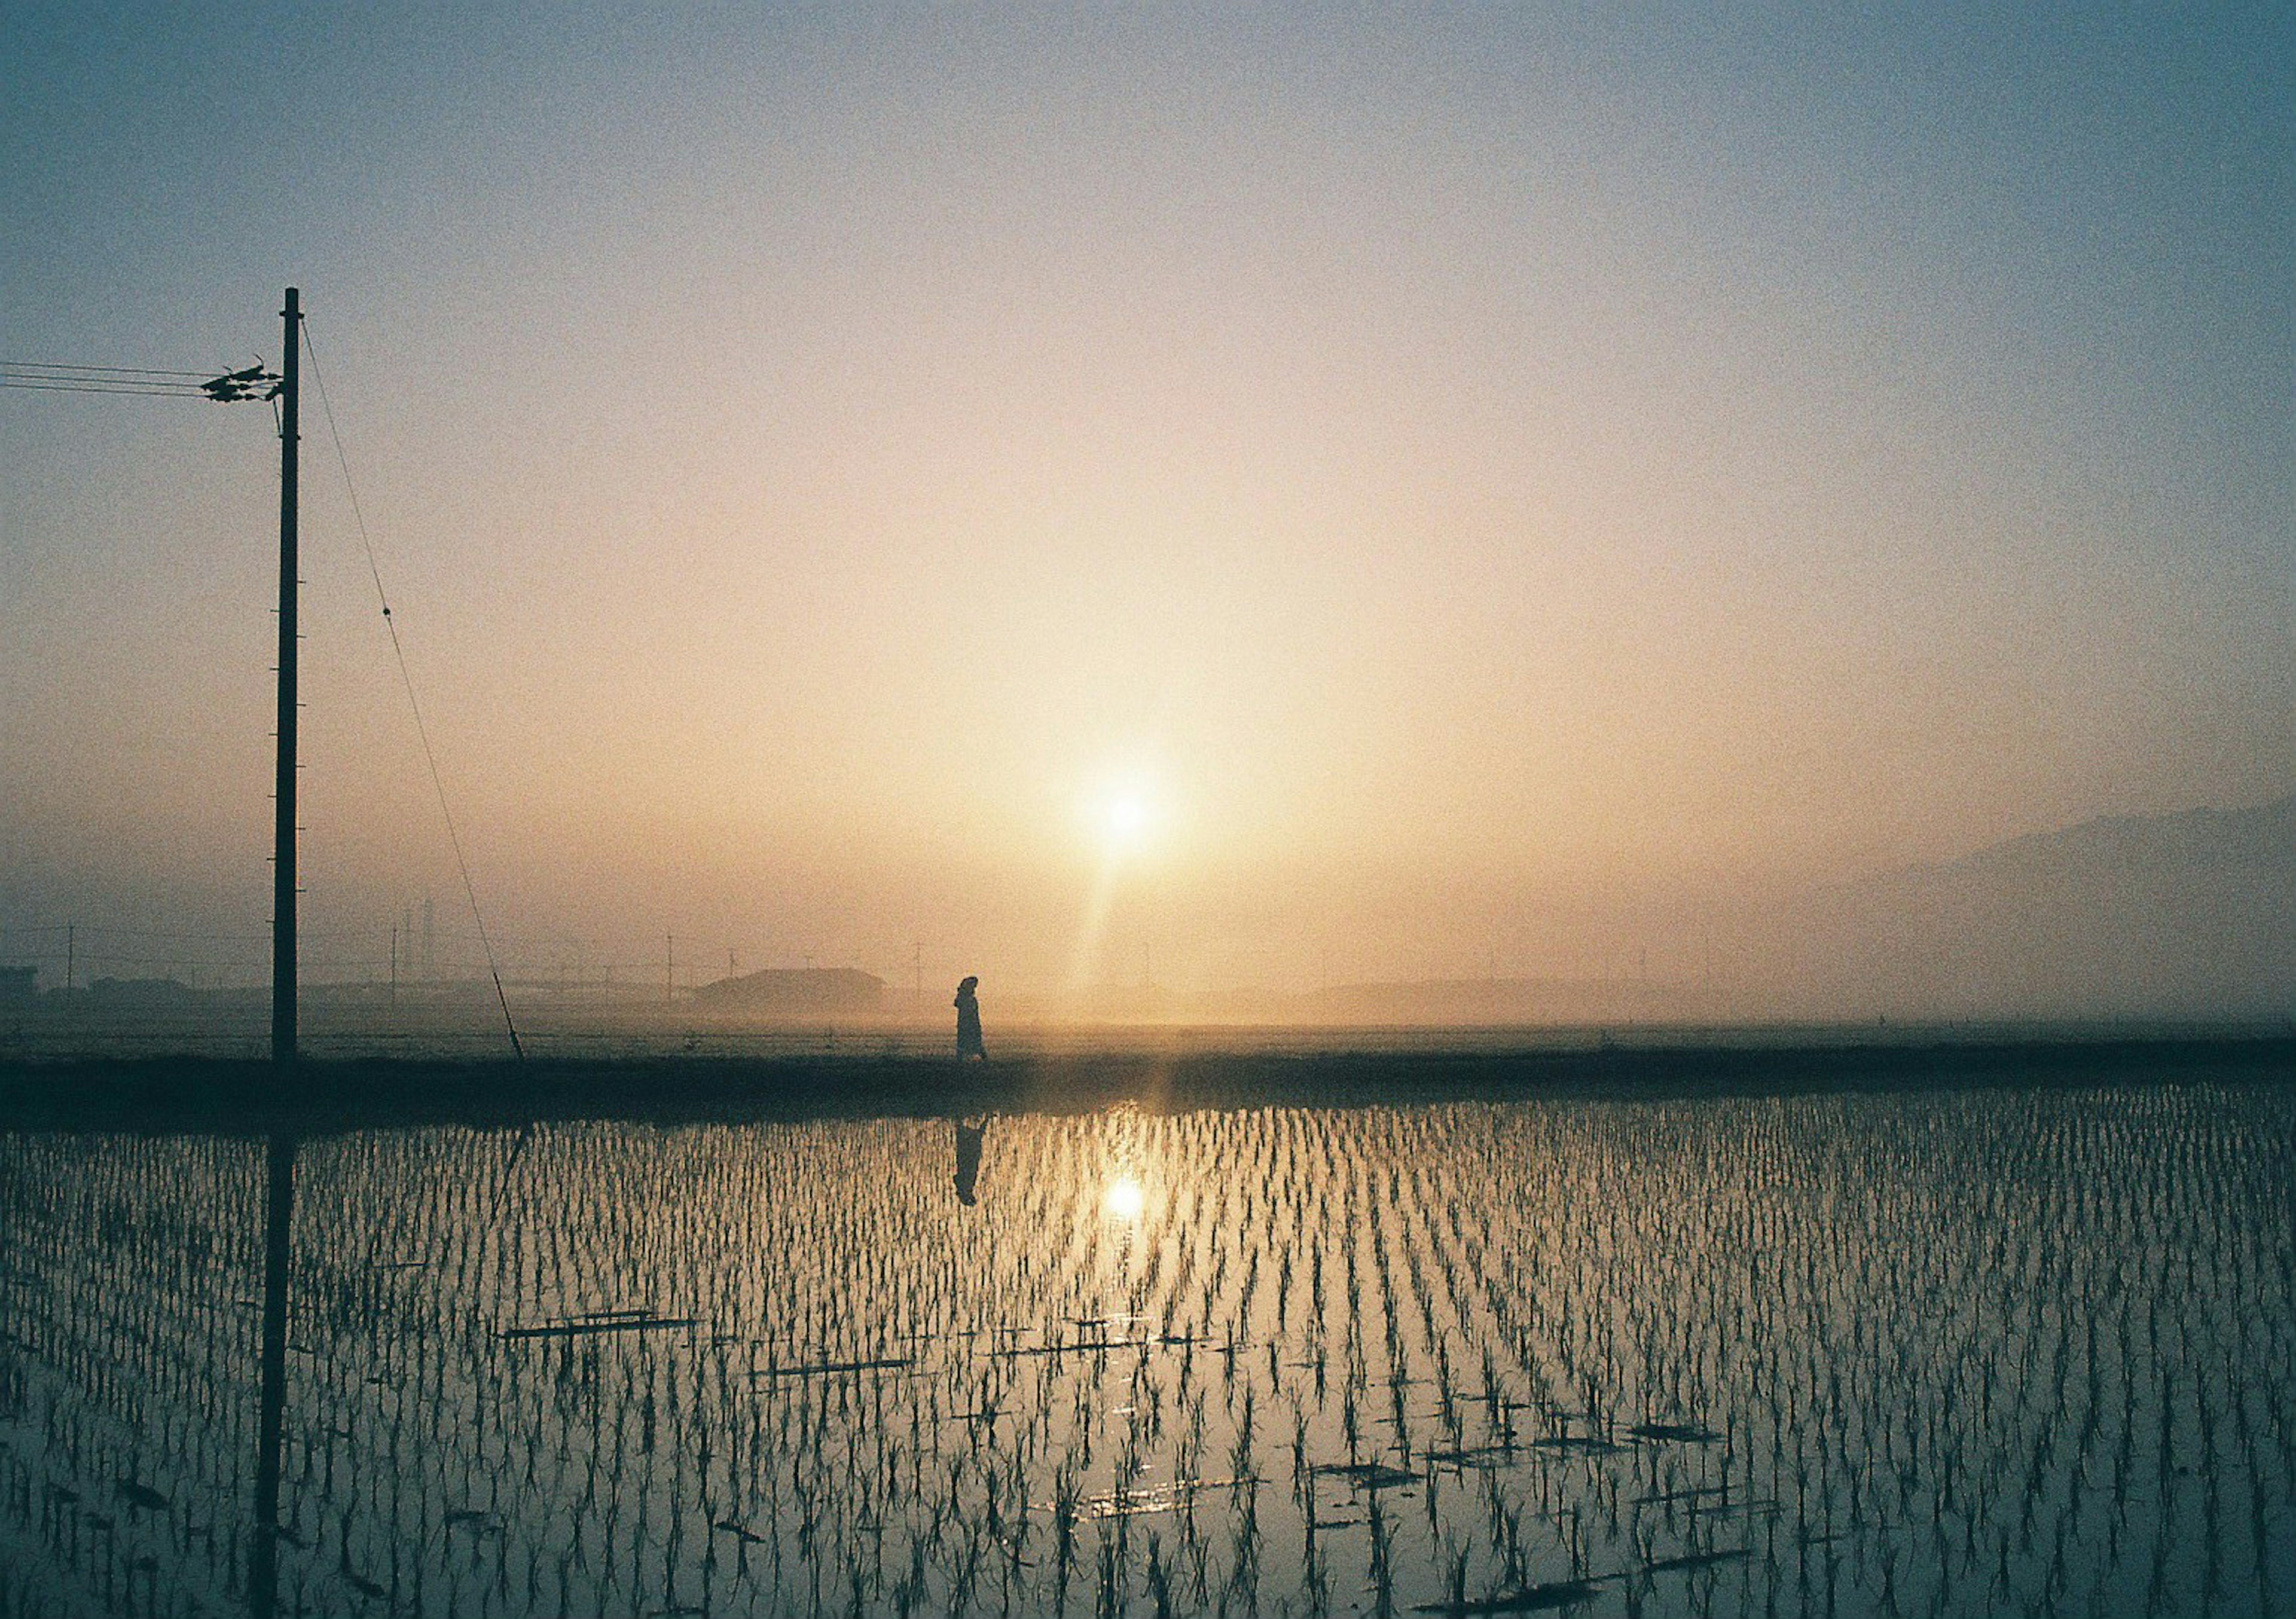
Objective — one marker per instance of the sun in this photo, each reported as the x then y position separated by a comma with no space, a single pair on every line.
1123,818
1128,817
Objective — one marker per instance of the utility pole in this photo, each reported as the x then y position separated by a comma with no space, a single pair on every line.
279,1199
282,826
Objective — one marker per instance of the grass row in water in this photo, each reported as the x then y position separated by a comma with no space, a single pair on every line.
1928,1354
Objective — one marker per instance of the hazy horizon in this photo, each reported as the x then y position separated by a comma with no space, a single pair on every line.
1235,500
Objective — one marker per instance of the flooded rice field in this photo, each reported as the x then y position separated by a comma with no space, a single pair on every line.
1917,1352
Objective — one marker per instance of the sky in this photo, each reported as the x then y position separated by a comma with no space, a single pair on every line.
1232,496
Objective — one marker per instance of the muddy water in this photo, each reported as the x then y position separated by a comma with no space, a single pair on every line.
1951,1352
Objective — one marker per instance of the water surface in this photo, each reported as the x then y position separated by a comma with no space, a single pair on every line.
1917,1353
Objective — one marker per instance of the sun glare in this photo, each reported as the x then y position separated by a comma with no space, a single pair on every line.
1123,817
1123,1199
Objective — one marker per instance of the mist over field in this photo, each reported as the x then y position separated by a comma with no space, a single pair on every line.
1706,515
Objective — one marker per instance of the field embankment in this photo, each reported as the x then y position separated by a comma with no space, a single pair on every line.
232,1095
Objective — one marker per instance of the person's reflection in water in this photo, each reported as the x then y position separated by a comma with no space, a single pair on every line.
968,1132
968,1021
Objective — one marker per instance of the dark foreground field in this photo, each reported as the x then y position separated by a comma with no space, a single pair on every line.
1950,1330
174,1092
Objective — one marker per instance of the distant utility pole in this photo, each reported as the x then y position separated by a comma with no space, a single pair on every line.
669,970
283,825
71,952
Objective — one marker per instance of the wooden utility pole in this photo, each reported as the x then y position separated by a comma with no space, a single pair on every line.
279,1201
282,829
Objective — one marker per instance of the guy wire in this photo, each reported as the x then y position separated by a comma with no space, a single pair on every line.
413,704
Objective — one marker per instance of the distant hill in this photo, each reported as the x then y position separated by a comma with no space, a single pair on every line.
808,991
2189,915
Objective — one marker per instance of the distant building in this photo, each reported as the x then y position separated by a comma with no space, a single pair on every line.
806,992
19,982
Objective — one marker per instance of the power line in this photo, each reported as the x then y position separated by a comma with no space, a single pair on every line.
413,704
114,370
88,929
148,382
43,385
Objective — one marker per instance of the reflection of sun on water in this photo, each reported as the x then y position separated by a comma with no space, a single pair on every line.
1123,1199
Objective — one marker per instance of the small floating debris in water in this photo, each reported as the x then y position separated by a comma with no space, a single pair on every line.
1581,1444
1529,1599
740,1532
1675,1432
1367,1475
826,1369
1081,1347
142,1496
1695,1559
1474,1456
616,1322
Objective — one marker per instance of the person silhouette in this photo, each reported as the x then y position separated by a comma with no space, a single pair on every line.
968,1157
968,1021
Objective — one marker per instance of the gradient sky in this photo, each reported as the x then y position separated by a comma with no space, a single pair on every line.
1480,479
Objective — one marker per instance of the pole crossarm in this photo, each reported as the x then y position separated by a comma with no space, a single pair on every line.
234,387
